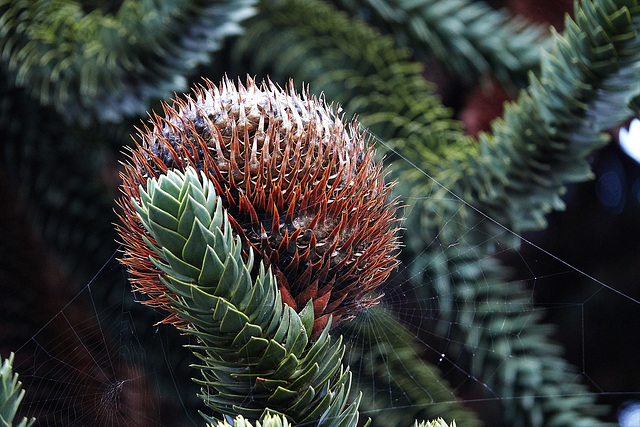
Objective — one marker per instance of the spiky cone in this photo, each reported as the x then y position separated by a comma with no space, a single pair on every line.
301,188
256,353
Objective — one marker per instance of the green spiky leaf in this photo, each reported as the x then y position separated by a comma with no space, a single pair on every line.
250,345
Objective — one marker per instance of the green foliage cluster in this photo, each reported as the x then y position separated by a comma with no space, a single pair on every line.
280,421
11,393
74,78
268,421
106,66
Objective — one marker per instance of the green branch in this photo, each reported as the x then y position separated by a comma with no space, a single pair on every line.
111,66
256,353
470,38
586,84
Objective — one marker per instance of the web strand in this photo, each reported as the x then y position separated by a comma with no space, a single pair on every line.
505,228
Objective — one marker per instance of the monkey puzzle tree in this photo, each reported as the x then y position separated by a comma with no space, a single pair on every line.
77,76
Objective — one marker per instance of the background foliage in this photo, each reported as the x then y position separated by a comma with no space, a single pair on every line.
76,77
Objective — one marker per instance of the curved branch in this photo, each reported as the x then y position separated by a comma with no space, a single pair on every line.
111,66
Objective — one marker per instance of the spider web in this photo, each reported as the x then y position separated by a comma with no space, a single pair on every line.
95,362
87,365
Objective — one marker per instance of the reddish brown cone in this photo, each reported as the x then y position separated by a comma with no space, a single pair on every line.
300,187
